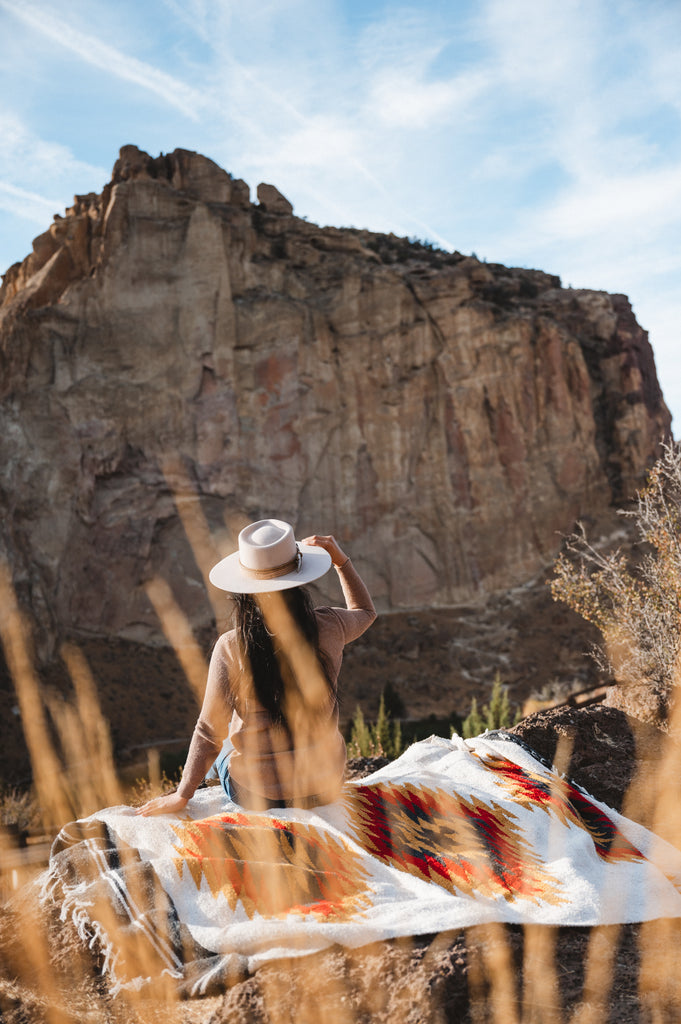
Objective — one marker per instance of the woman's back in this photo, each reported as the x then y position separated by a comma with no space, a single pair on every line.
297,751
272,681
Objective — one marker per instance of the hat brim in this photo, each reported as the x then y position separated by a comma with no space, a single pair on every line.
228,574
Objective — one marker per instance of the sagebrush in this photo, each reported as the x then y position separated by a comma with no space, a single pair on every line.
634,600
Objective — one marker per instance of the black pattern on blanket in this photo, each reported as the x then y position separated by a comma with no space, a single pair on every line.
449,835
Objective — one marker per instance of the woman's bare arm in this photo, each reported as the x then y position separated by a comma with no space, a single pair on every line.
210,730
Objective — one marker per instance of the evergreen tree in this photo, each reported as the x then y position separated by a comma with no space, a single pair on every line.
360,738
382,739
473,723
382,731
495,715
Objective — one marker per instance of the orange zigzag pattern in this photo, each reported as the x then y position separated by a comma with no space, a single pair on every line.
272,867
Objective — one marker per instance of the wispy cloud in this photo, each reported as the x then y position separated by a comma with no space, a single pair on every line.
398,54
536,49
321,121
29,205
194,15
285,125
649,200
108,59
537,134
29,161
406,101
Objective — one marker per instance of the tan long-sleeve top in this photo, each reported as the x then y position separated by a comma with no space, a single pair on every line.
267,759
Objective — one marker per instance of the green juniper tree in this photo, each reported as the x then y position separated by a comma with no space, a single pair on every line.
495,715
382,739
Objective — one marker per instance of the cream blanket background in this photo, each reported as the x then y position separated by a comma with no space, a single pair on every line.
453,833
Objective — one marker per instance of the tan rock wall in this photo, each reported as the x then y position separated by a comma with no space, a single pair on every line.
443,417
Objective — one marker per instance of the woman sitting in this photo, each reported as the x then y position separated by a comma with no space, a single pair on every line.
272,680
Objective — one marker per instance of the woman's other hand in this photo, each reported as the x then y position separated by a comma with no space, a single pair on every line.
171,803
330,544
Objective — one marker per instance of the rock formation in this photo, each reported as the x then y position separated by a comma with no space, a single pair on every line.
168,342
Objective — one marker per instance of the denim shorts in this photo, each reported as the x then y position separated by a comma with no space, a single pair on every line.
243,797
222,768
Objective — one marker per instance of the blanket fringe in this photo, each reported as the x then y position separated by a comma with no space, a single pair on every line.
91,933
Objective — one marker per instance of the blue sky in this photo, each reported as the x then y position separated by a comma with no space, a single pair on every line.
538,133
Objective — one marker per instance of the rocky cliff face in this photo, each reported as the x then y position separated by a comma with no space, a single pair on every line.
169,342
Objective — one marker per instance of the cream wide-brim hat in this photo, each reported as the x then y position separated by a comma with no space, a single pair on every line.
269,559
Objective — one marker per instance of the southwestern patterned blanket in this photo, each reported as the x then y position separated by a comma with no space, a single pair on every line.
453,833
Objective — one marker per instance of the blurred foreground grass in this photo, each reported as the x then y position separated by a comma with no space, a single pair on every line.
508,975
493,973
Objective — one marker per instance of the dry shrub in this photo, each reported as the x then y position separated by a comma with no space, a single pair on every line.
635,604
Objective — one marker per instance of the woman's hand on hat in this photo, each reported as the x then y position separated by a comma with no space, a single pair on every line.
330,544
171,803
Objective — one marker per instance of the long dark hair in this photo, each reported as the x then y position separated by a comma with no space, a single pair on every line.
269,665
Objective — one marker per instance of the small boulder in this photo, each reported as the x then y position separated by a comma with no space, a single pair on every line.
132,163
271,199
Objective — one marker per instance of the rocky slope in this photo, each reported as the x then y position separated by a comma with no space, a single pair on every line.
176,359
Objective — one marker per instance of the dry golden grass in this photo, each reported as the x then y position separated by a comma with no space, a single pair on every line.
45,975
42,981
